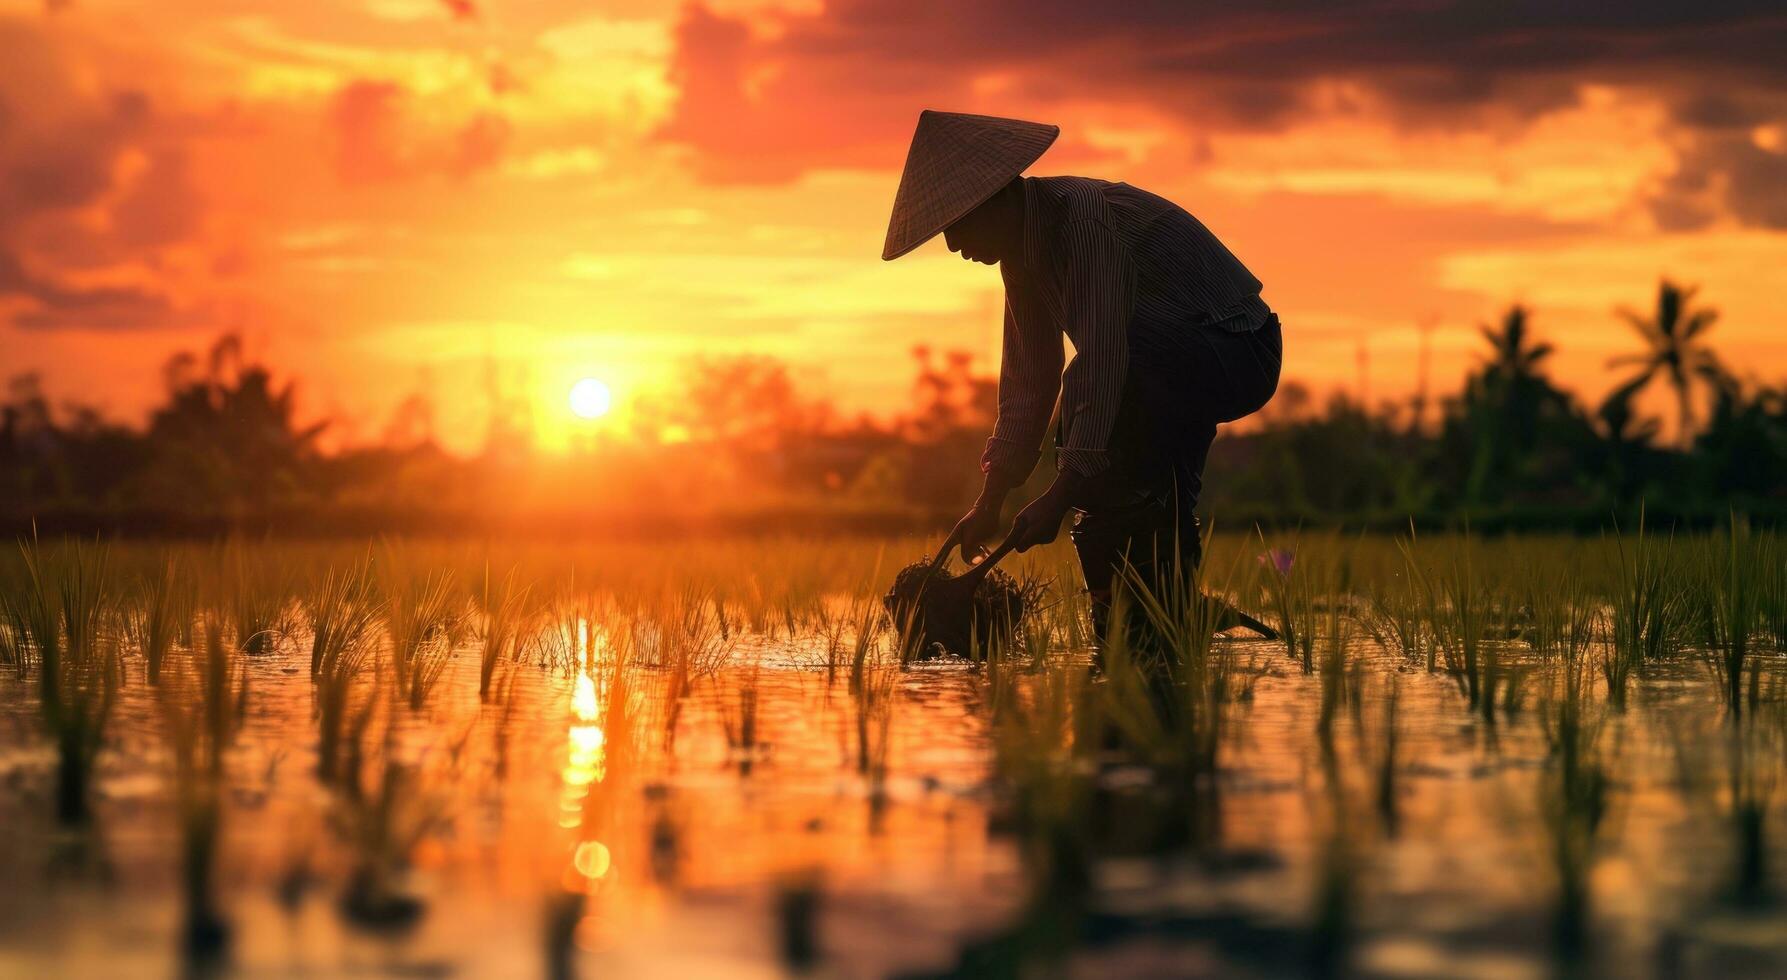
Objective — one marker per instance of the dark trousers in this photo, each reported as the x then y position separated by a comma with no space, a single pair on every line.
1182,383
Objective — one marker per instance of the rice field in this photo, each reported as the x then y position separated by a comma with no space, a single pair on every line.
1462,756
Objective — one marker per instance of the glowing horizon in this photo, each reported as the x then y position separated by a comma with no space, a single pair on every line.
469,200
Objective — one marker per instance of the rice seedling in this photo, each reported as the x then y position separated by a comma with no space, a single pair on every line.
504,692
692,641
738,716
1336,676
61,612
382,824
1573,795
336,717
1646,612
505,616
1725,606
257,593
1728,774
1468,621
1036,744
1166,697
1550,598
831,628
1772,583
790,621
1065,620
202,710
160,612
1752,769
344,610
423,615
1290,595
585,641
874,694
564,909
868,620
798,905
384,806
20,608
1333,914
722,620
1000,667
1386,764
1394,620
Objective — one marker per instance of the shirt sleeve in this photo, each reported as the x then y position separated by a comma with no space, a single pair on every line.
1097,290
1029,378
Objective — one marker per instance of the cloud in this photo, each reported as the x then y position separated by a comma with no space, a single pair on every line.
461,9
1748,180
754,110
481,144
365,115
377,141
1732,161
770,96
94,190
51,304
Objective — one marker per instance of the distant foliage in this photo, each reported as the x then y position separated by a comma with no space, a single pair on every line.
747,440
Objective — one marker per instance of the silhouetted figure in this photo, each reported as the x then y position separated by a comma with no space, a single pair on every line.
1170,333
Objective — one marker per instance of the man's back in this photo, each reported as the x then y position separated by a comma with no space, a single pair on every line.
1183,273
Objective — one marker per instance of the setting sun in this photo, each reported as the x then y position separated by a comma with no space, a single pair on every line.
590,399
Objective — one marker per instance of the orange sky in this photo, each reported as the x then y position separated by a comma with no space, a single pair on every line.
393,196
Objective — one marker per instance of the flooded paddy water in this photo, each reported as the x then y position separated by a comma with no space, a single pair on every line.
1501,758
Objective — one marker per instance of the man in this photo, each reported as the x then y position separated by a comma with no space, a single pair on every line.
1170,336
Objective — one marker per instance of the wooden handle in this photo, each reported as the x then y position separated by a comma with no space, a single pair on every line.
955,534
985,565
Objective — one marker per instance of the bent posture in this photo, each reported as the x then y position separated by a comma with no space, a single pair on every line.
1171,339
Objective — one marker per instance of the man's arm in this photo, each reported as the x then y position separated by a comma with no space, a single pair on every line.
1098,288
1029,379
1098,284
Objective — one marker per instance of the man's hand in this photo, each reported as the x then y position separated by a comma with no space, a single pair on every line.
977,527
981,524
1040,520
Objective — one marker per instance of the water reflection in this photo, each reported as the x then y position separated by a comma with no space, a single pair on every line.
584,799
1415,855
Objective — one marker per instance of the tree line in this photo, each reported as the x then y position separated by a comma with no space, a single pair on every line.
739,443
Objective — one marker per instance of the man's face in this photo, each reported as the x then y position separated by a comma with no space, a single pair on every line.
976,236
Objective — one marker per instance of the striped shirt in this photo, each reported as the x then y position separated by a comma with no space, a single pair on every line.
1099,259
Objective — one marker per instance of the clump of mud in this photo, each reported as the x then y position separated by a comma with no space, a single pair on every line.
932,623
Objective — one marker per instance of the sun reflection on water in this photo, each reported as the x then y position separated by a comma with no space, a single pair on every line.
583,799
586,743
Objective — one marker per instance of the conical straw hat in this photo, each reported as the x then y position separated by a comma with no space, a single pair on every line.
956,162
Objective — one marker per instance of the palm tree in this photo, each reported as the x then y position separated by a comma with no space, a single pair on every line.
1677,350
1513,361
1508,398
1629,437
1514,377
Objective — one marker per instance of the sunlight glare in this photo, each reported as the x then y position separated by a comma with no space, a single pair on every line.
590,399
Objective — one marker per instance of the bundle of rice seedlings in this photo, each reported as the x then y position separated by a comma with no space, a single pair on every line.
932,622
